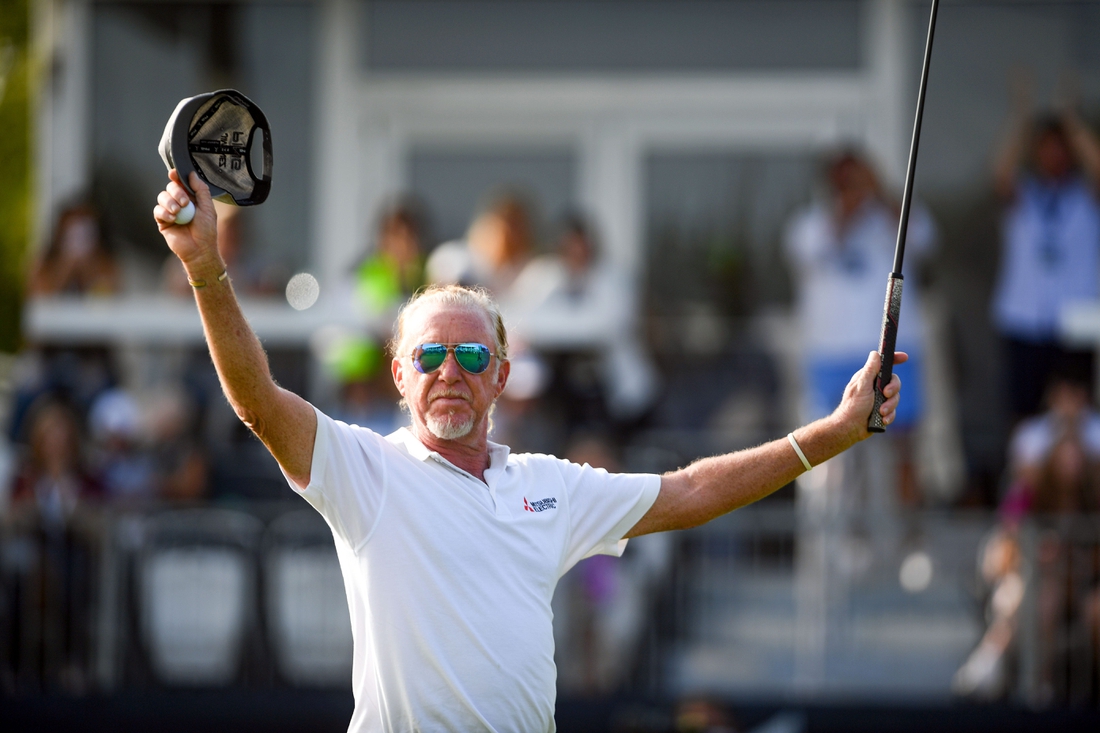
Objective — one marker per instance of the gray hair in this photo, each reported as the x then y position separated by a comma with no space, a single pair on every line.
458,296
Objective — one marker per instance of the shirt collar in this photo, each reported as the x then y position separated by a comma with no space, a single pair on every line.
498,454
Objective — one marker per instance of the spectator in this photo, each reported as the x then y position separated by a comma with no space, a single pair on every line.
1069,415
395,268
496,250
180,466
841,251
579,313
523,416
53,477
1046,174
77,261
77,375
497,247
1055,475
367,397
54,578
123,466
572,273
382,281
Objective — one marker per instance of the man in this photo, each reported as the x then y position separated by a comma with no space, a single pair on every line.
450,547
1050,249
838,248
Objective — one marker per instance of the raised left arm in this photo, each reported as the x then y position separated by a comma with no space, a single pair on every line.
1085,146
711,487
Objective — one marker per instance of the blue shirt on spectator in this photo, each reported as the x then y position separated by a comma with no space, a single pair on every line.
1051,257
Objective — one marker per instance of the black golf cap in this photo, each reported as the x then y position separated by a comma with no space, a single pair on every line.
213,134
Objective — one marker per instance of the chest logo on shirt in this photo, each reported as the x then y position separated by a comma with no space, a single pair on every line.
541,505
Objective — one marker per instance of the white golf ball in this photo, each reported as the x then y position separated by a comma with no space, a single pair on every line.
187,213
302,291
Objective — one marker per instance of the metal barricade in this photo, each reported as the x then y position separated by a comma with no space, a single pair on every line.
167,596
783,602
1059,630
197,579
308,624
770,600
48,594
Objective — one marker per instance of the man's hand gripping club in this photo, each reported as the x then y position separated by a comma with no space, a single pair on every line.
714,486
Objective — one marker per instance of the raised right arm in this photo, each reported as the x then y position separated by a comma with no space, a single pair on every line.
1010,157
285,422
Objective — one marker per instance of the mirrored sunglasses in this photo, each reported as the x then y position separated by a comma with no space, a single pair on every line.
474,358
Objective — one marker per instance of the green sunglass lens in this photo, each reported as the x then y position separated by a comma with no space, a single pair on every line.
430,358
474,358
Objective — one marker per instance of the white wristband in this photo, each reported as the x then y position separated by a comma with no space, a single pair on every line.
798,450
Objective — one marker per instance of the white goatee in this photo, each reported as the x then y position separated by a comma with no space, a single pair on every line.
450,427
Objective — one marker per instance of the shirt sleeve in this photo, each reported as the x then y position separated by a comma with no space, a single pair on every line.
1030,443
602,508
807,238
1091,435
346,479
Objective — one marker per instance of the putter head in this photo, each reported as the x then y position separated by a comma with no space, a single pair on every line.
213,135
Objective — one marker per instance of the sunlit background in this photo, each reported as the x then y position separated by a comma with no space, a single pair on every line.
174,581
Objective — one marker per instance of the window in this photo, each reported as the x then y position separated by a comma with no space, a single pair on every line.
627,36
270,59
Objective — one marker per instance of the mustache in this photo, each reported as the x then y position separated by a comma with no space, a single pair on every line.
449,393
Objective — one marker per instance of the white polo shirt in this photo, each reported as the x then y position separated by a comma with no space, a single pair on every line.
449,579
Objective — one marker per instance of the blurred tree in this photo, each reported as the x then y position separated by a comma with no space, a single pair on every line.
15,164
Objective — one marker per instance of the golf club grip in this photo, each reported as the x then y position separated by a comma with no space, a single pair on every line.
890,314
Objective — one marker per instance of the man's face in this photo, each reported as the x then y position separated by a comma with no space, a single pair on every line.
449,403
1052,156
853,182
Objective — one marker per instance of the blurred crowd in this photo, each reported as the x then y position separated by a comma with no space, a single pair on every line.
86,440
585,383
1047,175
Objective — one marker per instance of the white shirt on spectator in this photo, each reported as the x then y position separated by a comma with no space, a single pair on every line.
840,278
551,311
1033,438
449,579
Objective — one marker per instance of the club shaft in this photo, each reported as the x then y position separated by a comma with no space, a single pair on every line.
911,169
892,310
